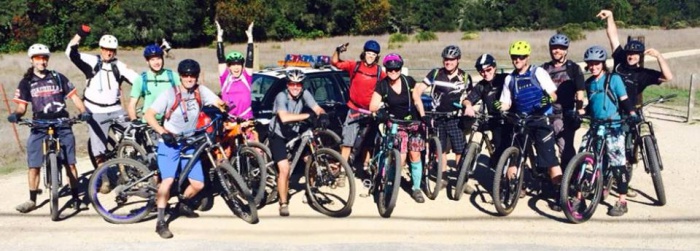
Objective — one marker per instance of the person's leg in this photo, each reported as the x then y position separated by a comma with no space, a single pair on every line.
168,161
35,159
68,159
569,135
416,144
558,130
349,134
279,156
546,158
615,141
98,136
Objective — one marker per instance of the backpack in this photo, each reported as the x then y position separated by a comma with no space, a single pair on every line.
98,68
144,82
357,69
202,119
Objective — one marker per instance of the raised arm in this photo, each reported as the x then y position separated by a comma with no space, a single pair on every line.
249,63
611,29
220,48
666,74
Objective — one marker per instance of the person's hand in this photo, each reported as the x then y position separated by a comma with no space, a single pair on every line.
426,120
13,118
604,14
469,111
85,116
323,121
652,52
219,32
136,122
83,30
382,115
249,32
312,118
634,119
497,105
545,100
169,139
342,48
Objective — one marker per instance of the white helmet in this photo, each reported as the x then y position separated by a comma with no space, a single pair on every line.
38,49
295,75
109,42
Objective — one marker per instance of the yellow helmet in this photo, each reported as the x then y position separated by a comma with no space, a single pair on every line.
520,48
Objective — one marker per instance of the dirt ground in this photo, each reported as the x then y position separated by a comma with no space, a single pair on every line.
442,224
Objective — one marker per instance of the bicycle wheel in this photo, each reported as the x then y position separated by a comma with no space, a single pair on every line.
55,185
388,183
123,191
132,150
237,195
581,188
652,162
270,193
432,170
330,183
506,192
468,165
328,139
251,166
109,151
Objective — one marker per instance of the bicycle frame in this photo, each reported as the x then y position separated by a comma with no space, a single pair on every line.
306,139
386,143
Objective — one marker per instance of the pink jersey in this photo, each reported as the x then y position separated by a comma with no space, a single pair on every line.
236,93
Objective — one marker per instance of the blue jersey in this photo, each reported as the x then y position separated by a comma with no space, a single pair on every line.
604,105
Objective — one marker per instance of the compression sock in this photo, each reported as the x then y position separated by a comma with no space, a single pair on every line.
416,174
161,214
32,195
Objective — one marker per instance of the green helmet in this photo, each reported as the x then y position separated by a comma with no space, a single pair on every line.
235,57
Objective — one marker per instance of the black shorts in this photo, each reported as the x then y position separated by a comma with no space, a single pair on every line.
278,147
543,135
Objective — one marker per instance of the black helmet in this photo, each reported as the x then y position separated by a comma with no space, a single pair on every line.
483,61
188,67
634,46
451,52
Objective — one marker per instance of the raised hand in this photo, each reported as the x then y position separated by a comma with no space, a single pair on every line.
249,32
652,52
342,47
604,14
219,32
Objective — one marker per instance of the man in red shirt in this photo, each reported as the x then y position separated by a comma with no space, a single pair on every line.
364,76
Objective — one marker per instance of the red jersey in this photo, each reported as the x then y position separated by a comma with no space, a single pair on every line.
362,85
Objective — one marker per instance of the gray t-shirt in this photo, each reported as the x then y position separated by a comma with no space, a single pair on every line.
284,103
176,124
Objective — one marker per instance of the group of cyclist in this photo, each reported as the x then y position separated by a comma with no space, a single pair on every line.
172,102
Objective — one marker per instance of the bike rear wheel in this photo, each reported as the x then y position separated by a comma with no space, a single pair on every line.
251,166
651,160
581,188
388,183
123,191
506,192
236,193
132,150
433,170
330,183
54,174
110,146
270,192
468,165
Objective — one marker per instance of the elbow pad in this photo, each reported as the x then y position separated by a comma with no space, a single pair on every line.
249,56
220,52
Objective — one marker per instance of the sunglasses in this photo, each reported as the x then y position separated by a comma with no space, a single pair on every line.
519,57
38,57
188,76
393,70
487,69
294,84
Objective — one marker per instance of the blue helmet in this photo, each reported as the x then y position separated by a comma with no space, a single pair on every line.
595,53
373,46
559,39
152,50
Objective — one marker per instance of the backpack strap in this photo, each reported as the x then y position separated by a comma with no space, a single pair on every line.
357,69
144,85
115,70
178,100
57,78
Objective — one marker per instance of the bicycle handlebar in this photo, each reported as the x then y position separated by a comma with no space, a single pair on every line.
117,120
33,123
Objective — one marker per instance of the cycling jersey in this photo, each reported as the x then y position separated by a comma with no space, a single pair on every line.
636,79
47,95
236,92
362,84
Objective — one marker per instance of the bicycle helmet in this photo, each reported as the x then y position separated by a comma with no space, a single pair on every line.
520,48
295,75
109,42
373,46
634,46
451,52
595,53
235,57
393,61
559,39
152,50
483,61
38,49
188,67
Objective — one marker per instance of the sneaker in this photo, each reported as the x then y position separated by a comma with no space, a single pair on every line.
105,186
556,206
631,192
163,231
469,189
417,195
522,194
284,210
619,209
26,207
186,211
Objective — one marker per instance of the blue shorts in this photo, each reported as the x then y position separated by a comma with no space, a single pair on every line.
35,152
170,164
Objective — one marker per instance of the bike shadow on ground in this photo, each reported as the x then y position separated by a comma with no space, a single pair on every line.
651,200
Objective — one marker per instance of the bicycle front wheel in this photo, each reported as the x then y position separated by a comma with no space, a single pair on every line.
581,188
123,191
236,193
506,191
388,183
132,150
468,165
328,139
270,192
652,161
251,166
55,185
433,170
330,183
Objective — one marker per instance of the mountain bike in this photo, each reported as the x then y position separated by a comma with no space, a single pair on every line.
133,184
432,156
51,168
587,175
470,155
507,191
643,142
113,136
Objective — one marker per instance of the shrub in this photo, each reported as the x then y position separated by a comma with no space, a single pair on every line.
398,38
591,26
470,35
315,34
573,31
393,46
678,25
423,36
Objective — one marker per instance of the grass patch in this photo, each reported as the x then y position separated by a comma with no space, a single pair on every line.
471,35
13,166
398,38
681,98
424,36
393,46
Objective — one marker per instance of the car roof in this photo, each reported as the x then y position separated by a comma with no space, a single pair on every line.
279,72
